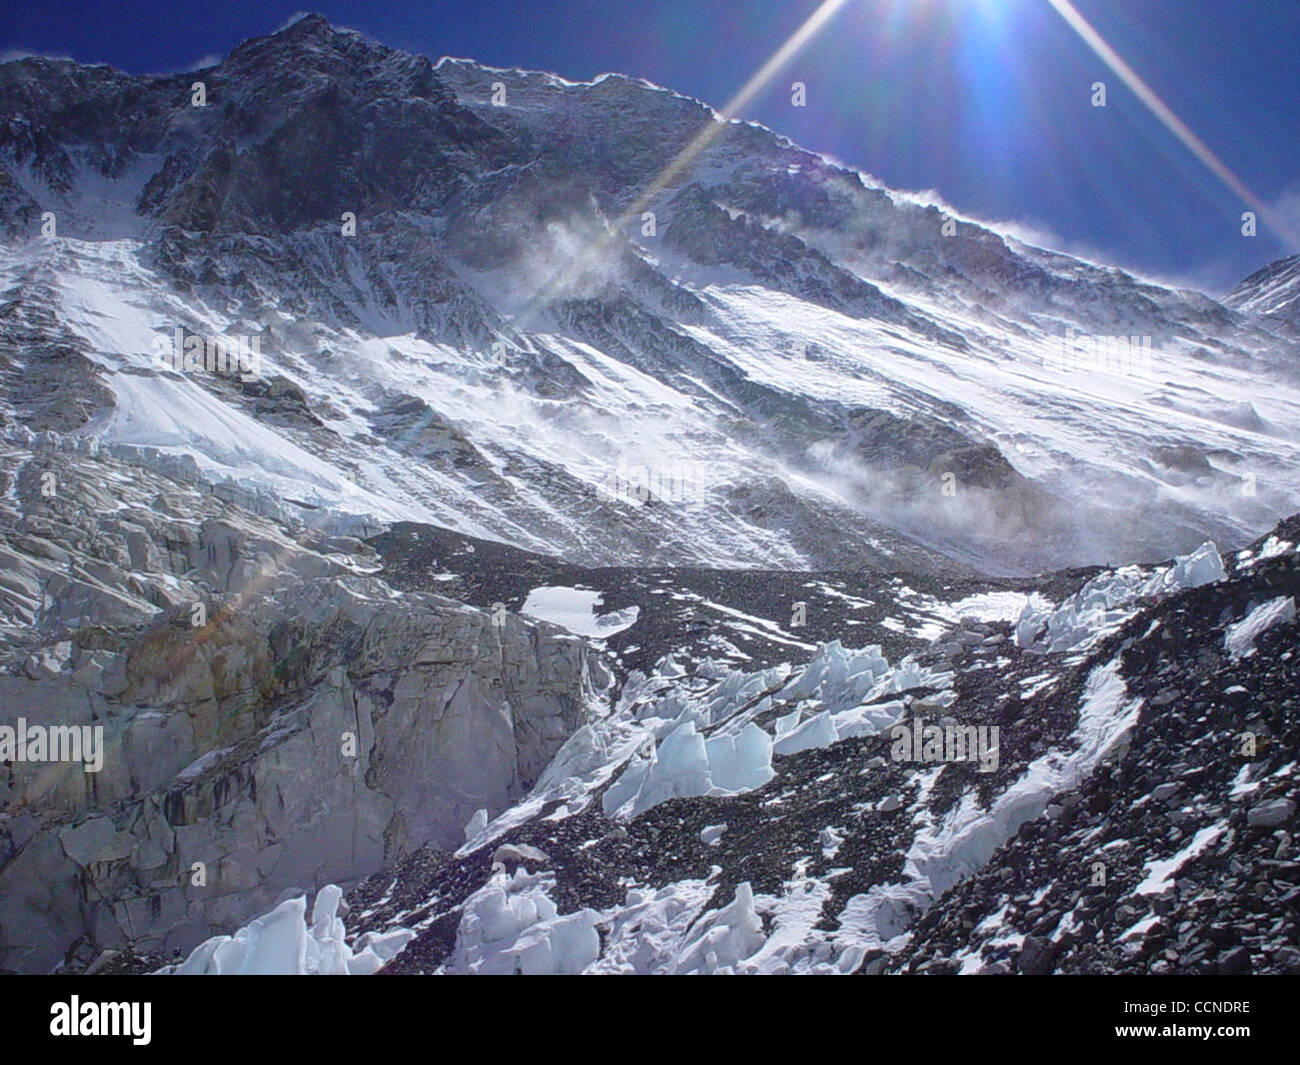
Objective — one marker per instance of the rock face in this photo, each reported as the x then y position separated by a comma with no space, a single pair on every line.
313,727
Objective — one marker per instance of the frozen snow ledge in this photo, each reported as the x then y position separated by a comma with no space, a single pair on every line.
281,943
1239,640
944,854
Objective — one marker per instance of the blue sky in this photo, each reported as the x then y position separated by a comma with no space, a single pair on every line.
985,101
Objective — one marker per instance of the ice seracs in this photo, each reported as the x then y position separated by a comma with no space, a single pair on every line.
511,925
283,943
1109,599
712,745
686,764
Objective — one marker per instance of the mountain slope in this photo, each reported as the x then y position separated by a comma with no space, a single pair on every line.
831,377
1273,290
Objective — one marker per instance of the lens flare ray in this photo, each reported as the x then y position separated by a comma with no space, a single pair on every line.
792,46
1171,121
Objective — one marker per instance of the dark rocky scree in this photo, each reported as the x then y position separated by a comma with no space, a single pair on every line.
673,601
1234,908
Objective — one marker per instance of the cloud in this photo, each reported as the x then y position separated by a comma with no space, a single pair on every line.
1027,231
203,62
297,16
1287,208
1214,276
12,55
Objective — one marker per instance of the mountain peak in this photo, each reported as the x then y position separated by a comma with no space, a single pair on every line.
310,33
548,217
311,25
304,21
1273,289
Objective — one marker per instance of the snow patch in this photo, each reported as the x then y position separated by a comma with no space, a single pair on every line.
1239,640
575,609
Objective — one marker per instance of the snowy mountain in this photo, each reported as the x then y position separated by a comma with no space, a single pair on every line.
578,492
1272,290
821,374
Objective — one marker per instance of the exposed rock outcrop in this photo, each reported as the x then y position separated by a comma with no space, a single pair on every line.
272,717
